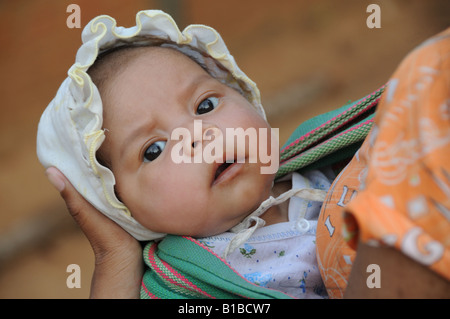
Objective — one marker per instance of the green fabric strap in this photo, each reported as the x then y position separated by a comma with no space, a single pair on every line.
196,274
329,138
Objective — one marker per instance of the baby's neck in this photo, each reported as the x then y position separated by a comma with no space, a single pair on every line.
278,213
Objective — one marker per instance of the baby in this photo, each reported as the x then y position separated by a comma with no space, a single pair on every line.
112,130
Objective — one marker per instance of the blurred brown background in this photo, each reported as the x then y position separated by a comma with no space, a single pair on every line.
306,56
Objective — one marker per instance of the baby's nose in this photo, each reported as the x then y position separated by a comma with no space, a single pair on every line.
208,132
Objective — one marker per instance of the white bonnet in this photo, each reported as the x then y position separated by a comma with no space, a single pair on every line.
70,130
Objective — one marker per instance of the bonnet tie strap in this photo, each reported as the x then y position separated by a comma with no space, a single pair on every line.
244,231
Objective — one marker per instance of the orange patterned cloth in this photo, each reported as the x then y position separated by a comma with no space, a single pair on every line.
396,189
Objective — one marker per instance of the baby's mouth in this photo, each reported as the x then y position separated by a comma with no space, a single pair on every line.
226,171
222,168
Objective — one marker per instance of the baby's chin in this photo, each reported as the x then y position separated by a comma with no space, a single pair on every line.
250,199
216,231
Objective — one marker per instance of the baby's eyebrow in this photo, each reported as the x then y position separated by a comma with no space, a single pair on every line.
135,132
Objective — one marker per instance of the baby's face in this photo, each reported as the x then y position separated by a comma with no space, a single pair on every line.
161,91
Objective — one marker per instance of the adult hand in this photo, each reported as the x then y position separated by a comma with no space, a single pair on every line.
118,256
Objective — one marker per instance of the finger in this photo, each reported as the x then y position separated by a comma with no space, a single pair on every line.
99,229
117,253
78,207
87,216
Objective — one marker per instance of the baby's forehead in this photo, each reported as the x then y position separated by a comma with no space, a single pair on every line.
171,58
110,64
121,56
154,77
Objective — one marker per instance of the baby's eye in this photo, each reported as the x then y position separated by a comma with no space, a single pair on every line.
207,105
153,151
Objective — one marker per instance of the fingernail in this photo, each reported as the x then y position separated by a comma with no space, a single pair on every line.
55,178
